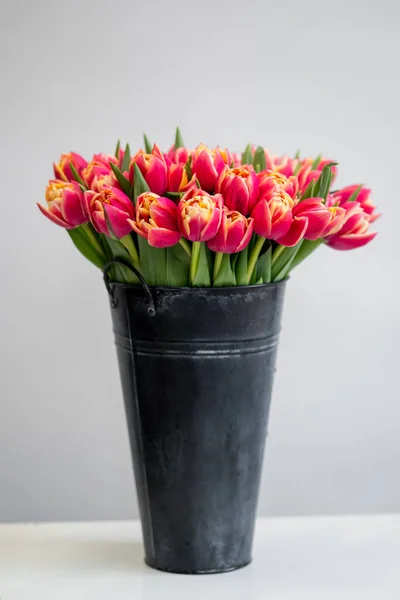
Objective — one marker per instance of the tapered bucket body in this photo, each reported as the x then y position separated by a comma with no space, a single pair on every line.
197,369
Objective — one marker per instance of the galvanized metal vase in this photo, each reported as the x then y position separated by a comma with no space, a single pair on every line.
196,367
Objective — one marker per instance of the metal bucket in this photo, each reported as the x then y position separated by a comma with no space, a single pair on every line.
197,367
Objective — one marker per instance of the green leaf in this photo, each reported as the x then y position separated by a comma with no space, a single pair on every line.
309,191
178,266
324,181
139,183
247,156
83,243
355,194
200,276
117,149
153,263
281,265
259,159
316,162
297,155
264,265
226,275
306,248
127,159
179,143
297,168
76,175
122,180
174,195
198,183
241,267
188,168
147,145
118,250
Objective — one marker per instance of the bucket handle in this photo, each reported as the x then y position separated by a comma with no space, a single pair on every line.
151,309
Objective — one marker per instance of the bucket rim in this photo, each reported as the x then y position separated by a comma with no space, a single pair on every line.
197,290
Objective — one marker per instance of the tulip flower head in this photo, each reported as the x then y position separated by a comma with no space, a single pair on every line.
207,165
153,168
239,188
62,170
64,204
156,220
273,215
234,233
109,211
199,215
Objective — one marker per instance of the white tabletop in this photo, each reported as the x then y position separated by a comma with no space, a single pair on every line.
308,558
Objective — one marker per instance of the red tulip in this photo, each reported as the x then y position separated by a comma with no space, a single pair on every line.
354,231
109,211
153,168
62,169
234,233
273,216
64,204
342,196
94,171
199,215
272,181
177,155
178,180
239,188
207,165
156,220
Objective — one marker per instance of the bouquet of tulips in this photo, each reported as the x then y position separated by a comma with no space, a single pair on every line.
204,217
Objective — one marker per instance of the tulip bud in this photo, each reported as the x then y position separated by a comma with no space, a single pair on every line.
62,169
239,188
156,220
207,165
64,204
153,168
317,215
199,215
109,211
234,233
273,215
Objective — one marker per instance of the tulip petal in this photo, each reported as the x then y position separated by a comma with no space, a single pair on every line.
351,241
295,233
262,218
47,213
163,238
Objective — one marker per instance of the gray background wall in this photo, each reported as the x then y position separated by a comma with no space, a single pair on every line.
287,74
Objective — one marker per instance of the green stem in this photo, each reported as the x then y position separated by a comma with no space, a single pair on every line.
217,264
186,246
277,254
253,257
194,263
129,244
92,238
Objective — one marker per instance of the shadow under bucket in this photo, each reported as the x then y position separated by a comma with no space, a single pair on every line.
196,367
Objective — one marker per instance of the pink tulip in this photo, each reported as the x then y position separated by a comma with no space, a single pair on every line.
178,180
306,174
272,181
62,169
273,215
354,231
104,181
207,165
342,196
94,171
156,220
199,215
106,158
153,168
236,159
177,155
64,204
316,215
239,188
109,211
286,165
234,233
